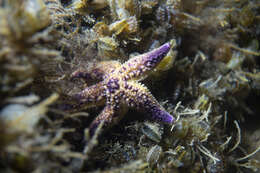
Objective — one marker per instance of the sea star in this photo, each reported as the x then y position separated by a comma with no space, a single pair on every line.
120,89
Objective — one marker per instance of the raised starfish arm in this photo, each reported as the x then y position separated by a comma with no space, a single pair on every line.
98,72
106,115
91,96
138,96
138,67
109,116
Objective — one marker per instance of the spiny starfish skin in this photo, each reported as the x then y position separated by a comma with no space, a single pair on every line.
120,88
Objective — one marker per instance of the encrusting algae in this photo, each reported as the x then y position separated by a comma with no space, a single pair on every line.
205,81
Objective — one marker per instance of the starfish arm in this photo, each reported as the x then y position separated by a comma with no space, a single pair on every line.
109,116
91,96
106,116
139,67
138,96
98,72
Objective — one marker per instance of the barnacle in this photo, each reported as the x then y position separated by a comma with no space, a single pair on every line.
122,9
126,25
154,155
153,131
108,47
101,29
88,6
193,128
147,6
180,156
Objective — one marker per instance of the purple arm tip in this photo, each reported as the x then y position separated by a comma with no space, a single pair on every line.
165,117
162,50
156,55
166,46
161,115
170,119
